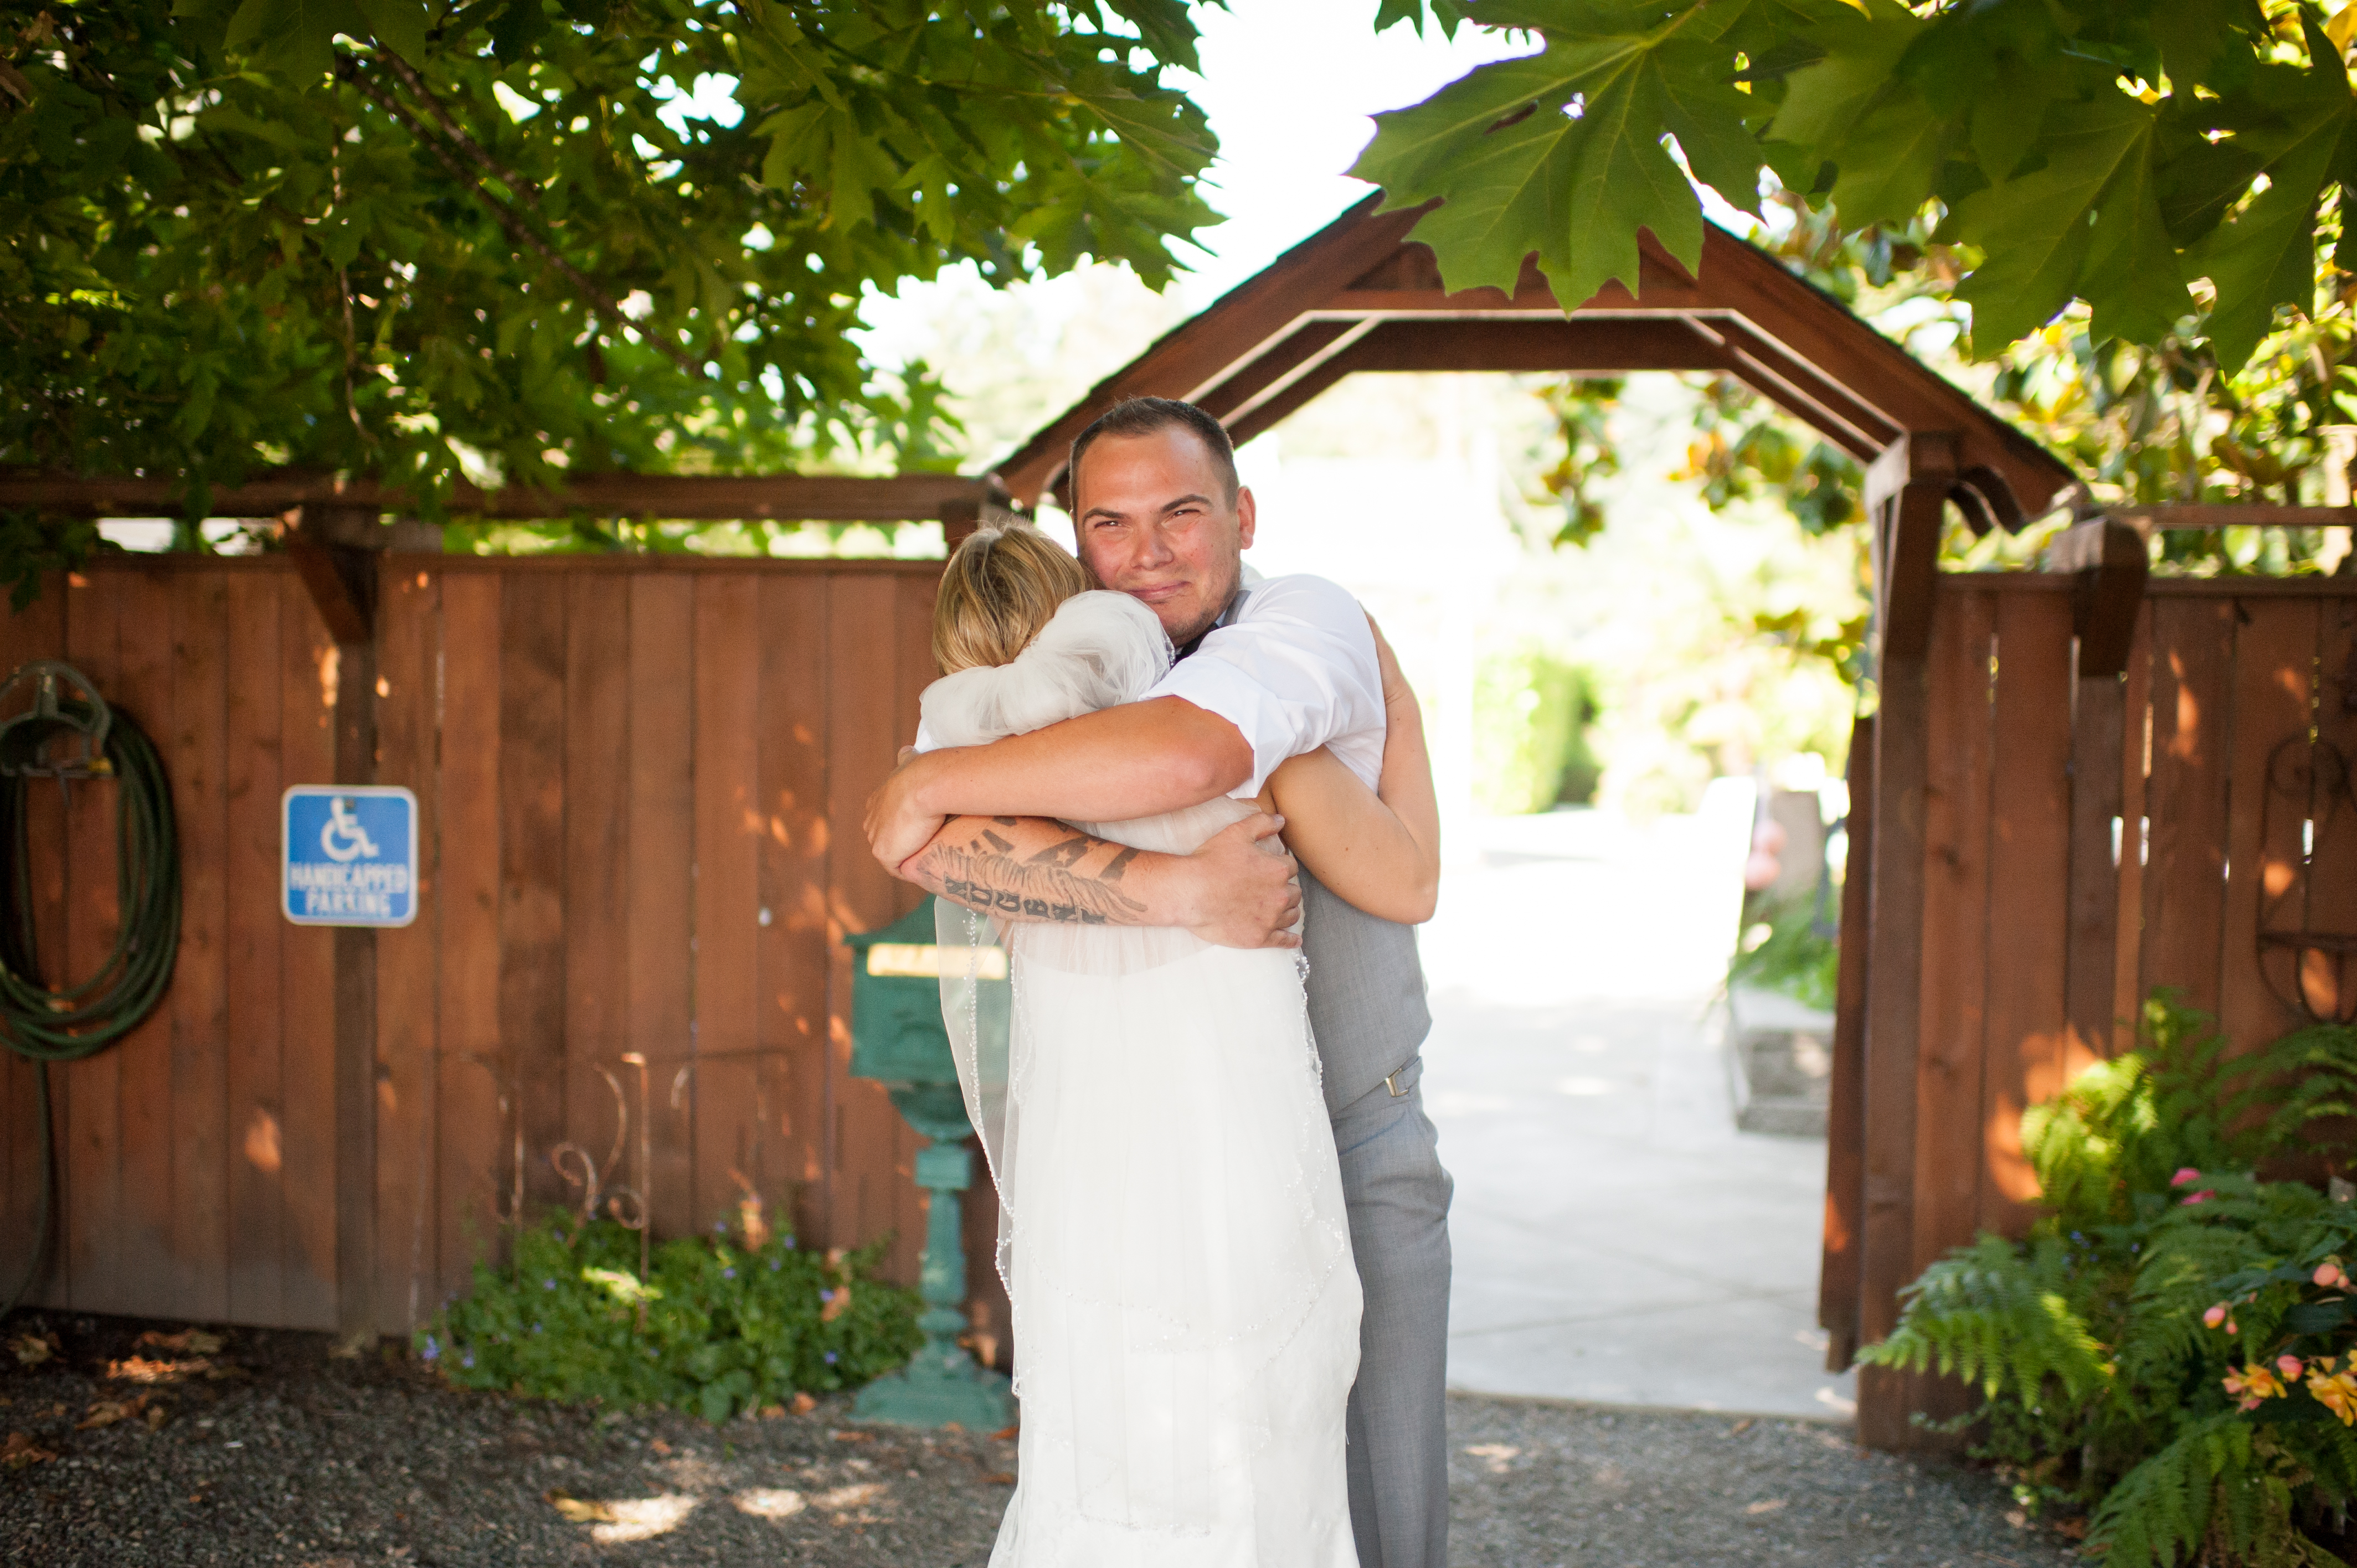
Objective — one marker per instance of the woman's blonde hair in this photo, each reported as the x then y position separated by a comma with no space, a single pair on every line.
1001,586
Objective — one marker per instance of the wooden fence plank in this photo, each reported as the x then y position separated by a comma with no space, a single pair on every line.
2184,881
662,953
532,868
871,1149
37,631
251,782
197,1127
314,675
1950,1066
474,1153
141,1245
2136,762
2030,882
93,1155
597,826
729,828
792,944
2272,705
407,653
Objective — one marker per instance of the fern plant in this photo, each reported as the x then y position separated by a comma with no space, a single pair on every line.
2173,1344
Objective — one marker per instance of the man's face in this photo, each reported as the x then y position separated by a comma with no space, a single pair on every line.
1153,520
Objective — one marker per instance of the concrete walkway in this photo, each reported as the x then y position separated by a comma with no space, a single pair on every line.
1617,1240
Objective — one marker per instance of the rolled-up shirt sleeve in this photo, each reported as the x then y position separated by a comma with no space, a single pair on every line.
1295,670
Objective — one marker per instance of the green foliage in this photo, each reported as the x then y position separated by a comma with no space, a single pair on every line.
715,1329
2173,1344
1786,953
418,238
1746,448
2112,151
1582,407
1533,718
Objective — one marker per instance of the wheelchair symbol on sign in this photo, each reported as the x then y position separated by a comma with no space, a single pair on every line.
343,839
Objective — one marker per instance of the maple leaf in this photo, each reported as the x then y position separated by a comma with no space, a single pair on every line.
2264,255
1561,153
2088,222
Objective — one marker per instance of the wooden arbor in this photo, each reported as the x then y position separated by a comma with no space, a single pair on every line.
1359,295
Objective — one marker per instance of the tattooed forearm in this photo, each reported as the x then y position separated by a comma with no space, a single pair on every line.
1055,883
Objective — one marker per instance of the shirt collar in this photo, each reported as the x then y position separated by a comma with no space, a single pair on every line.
1227,618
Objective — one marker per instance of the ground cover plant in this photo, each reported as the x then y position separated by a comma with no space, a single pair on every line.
713,1328
2173,1344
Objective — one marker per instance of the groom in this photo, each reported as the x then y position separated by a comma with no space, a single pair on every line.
1263,674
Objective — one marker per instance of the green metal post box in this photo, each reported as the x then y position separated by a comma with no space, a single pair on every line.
896,1038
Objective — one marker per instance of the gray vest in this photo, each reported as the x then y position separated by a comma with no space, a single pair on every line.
1366,983
1366,995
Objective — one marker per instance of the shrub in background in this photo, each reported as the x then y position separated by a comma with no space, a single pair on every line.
1785,952
715,1329
2173,1343
1532,717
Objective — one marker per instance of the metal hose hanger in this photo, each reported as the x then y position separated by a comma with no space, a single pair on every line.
71,735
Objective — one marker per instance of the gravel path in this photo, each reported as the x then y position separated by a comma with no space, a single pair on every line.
268,1451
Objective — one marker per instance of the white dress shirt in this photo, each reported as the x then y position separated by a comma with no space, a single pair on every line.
1295,669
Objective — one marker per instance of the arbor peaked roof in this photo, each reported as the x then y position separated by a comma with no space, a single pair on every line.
1359,295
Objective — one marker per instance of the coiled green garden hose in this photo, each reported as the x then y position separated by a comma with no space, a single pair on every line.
75,1021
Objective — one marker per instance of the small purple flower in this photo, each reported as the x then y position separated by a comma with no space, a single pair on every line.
467,1360
773,1266
720,1228
535,1328
548,1284
826,1295
829,1357
433,1352
727,1274
560,1238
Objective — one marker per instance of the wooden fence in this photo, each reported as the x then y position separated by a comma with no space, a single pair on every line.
640,785
2084,839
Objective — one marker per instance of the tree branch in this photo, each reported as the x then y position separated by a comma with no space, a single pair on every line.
519,231
465,144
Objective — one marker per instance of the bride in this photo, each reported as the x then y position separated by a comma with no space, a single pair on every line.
1171,1225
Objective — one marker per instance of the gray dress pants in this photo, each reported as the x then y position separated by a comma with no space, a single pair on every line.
1398,1197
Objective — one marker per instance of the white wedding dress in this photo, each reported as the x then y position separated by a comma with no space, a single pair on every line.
1171,1228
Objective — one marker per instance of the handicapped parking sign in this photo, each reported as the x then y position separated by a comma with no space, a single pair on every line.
348,855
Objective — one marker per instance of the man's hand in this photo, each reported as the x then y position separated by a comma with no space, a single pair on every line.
898,823
1239,890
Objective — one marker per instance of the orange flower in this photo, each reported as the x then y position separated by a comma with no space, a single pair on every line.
2337,1393
2254,1385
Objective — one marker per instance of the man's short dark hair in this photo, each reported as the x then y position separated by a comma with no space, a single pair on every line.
1144,416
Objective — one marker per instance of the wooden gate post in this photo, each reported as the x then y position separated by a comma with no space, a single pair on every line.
2109,561
1907,492
341,577
1837,1275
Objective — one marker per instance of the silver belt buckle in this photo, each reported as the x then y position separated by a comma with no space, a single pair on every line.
1397,1092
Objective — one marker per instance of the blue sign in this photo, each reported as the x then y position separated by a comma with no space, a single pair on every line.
348,855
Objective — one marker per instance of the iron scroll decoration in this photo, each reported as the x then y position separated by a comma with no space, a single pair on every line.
2307,967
